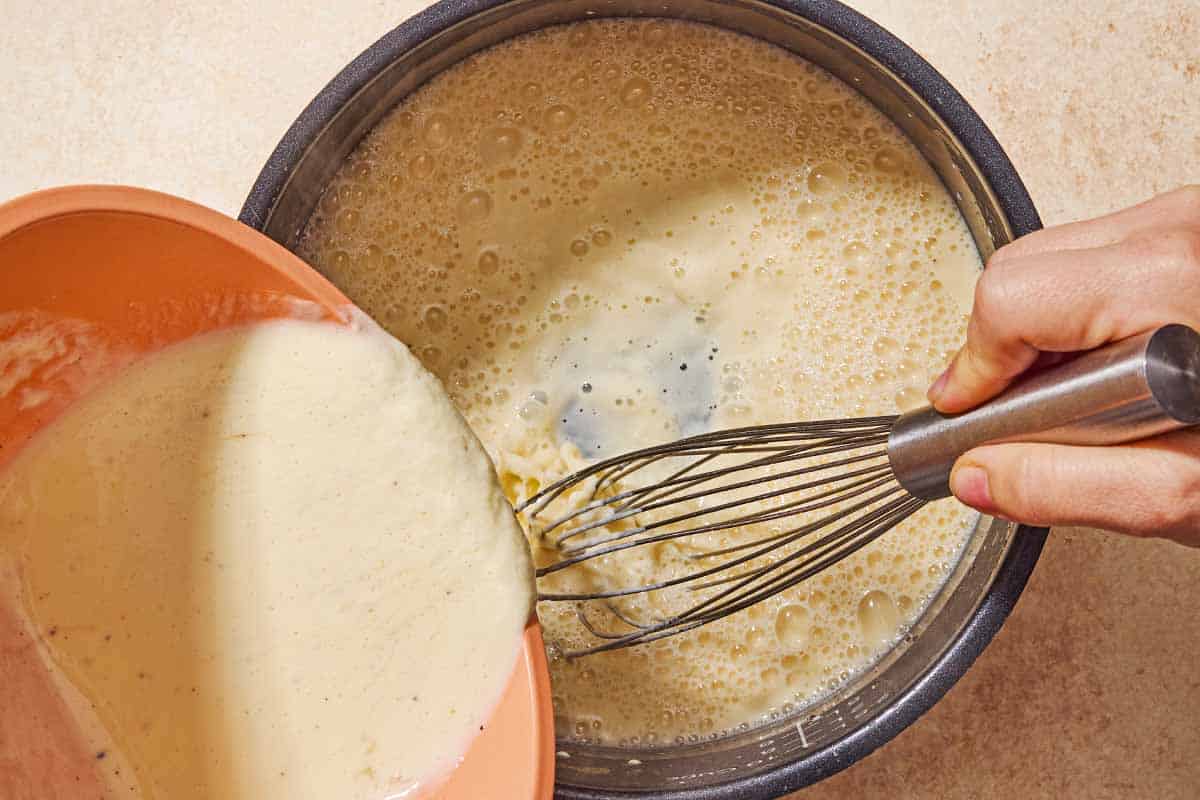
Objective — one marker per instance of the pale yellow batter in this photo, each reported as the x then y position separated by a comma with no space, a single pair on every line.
271,562
609,234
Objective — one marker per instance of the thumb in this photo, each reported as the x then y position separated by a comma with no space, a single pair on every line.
1148,489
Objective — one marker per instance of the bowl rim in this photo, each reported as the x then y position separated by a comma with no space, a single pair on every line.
961,119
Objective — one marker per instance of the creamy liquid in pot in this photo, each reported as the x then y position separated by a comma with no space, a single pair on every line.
609,234
268,562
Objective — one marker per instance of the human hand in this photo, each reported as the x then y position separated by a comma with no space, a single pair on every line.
1064,289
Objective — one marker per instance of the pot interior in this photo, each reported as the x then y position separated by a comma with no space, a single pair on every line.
819,739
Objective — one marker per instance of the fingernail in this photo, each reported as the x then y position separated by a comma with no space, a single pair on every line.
970,485
939,386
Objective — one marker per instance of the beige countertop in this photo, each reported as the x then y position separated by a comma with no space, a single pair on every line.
1092,690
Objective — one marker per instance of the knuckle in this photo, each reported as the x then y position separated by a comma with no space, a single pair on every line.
1176,505
1184,248
993,341
1177,248
1030,486
1187,200
1043,485
993,291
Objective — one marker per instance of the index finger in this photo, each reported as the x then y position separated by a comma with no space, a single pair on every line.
1069,300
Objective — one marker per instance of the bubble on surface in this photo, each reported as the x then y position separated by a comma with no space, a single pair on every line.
421,166
792,625
488,262
878,617
475,206
435,318
500,145
826,178
636,92
438,130
560,117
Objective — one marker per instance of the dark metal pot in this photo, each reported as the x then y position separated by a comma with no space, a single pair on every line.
795,751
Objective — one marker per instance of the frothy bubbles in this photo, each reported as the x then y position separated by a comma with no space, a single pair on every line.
500,145
792,626
421,167
826,179
542,202
488,262
878,617
559,118
474,206
438,130
636,92
435,318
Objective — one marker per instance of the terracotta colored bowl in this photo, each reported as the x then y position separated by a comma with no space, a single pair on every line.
130,271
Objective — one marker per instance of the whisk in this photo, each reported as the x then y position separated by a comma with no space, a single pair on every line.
838,484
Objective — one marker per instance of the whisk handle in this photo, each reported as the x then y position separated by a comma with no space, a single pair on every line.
1133,389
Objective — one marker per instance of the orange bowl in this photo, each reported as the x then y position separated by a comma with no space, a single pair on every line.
116,273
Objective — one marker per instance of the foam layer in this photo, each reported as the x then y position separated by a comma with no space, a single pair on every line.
613,233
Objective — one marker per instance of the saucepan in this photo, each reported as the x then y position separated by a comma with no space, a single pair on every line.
812,743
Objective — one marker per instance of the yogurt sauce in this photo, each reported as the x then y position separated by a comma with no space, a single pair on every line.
268,562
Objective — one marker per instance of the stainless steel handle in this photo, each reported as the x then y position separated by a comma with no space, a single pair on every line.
1133,389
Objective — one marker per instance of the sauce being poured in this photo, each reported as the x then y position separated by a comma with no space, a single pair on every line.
268,562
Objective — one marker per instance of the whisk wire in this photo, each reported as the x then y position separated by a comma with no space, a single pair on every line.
773,494
837,470
712,609
713,475
537,502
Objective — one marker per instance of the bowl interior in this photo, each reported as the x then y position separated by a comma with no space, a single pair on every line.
109,274
809,744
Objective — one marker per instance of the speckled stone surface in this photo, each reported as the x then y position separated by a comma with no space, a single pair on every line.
1092,690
